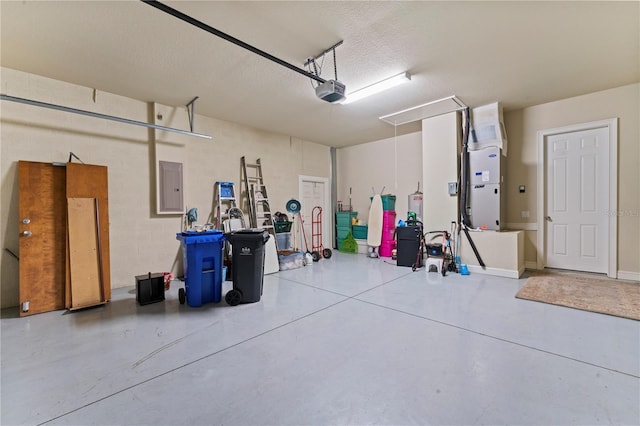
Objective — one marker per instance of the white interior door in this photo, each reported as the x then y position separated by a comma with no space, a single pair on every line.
314,191
577,200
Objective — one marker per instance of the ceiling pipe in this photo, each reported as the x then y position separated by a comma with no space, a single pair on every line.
98,115
225,36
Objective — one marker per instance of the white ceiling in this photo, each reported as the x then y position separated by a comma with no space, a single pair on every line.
518,53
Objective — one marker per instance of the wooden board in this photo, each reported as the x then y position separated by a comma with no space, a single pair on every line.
41,201
84,254
67,275
374,232
89,181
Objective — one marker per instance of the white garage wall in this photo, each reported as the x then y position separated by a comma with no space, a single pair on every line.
522,127
441,145
376,164
141,240
394,163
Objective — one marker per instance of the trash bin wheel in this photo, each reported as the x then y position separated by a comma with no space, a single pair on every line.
182,296
316,256
326,253
233,297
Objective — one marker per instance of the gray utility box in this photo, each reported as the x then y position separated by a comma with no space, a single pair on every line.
486,190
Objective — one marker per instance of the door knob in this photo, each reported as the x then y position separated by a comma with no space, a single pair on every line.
548,218
26,233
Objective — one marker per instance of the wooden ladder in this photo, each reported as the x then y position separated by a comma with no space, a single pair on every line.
260,215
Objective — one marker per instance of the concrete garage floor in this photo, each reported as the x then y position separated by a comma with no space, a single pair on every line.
349,340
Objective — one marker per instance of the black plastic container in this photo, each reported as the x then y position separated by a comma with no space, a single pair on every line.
149,288
435,249
409,250
247,265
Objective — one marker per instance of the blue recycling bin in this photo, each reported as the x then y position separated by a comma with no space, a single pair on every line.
202,258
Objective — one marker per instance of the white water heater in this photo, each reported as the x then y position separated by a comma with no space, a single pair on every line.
415,204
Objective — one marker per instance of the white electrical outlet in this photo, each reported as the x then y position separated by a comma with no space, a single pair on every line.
524,213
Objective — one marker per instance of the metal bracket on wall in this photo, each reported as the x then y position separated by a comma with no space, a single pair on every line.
191,109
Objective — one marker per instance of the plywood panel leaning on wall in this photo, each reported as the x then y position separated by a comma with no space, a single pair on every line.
89,181
47,265
84,243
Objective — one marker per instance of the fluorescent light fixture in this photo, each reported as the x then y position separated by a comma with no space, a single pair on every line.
378,87
420,112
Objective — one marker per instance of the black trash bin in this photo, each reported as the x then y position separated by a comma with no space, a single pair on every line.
247,265
409,247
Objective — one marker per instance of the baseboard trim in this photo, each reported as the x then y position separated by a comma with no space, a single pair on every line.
507,273
522,226
627,275
531,264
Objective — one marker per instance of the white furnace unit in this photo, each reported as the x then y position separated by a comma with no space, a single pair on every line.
486,188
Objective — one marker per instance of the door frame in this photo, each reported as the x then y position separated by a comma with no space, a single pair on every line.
326,209
612,126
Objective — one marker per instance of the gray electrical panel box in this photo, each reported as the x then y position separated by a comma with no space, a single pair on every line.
486,189
170,182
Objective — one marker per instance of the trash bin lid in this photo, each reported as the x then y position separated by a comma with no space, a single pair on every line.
191,237
248,234
250,231
208,232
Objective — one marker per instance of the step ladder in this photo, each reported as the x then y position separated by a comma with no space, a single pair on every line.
226,205
260,215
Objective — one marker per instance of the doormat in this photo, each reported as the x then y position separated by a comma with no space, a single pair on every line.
612,297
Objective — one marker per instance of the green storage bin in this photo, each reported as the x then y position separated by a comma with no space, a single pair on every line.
388,202
344,218
282,226
360,232
342,231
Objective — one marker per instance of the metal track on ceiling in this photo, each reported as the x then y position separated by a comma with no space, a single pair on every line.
186,18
